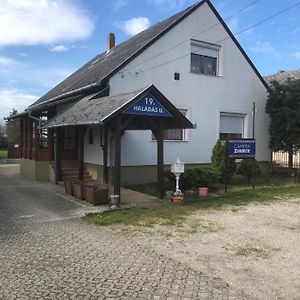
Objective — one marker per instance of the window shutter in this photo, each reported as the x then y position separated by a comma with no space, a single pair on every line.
205,51
232,123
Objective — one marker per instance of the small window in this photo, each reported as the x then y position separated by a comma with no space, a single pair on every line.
231,126
44,134
204,58
174,134
91,136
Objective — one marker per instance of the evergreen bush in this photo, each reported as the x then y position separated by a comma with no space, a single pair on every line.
219,161
245,168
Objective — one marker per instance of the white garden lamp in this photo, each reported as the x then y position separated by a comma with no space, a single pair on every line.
177,169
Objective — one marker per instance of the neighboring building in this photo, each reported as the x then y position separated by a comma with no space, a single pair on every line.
192,60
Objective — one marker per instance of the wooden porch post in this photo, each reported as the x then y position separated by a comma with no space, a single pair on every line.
105,154
160,161
21,137
117,162
57,157
81,153
30,138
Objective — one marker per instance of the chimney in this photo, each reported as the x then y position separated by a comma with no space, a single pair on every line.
111,41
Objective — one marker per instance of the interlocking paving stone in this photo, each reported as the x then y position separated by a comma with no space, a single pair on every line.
71,259
47,255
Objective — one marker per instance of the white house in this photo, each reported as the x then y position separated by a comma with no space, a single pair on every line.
192,60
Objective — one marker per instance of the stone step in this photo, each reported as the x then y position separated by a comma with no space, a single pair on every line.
86,177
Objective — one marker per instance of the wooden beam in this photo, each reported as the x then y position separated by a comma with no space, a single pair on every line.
117,162
21,138
25,138
105,154
160,161
81,153
30,138
36,142
57,157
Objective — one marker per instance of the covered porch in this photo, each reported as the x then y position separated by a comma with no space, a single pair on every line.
146,109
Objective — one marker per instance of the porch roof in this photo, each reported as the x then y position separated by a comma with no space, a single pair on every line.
91,111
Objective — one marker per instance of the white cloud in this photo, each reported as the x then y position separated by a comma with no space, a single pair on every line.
117,4
134,25
23,54
5,61
297,55
169,4
13,98
13,71
32,22
265,48
59,48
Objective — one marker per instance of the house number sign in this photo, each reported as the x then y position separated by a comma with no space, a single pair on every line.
147,106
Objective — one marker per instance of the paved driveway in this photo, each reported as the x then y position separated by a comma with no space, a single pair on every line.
46,254
24,201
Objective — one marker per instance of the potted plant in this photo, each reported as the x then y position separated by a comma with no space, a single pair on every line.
95,194
203,191
177,197
78,189
68,183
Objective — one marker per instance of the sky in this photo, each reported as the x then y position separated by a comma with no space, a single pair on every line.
44,41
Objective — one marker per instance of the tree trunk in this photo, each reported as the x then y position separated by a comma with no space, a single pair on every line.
290,163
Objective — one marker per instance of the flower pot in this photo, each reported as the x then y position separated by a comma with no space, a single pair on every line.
69,186
78,189
96,195
177,199
203,191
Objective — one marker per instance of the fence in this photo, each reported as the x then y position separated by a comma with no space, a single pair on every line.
282,158
13,153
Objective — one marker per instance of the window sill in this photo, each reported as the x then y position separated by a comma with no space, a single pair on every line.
173,141
207,75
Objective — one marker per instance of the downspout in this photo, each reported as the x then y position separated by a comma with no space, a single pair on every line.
36,119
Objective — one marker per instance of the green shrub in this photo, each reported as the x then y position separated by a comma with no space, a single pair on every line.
194,178
245,168
219,161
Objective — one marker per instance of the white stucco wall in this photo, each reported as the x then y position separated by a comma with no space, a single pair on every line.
204,96
93,153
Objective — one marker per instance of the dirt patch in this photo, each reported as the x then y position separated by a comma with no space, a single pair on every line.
255,249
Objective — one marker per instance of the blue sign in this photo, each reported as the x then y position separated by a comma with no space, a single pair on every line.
241,148
147,106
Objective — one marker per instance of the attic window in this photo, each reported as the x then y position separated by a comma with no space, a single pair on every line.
204,58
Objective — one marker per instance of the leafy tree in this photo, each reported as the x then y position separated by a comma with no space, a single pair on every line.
219,161
283,107
246,168
13,129
3,137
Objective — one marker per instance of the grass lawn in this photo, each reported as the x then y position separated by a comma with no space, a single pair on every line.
3,154
278,189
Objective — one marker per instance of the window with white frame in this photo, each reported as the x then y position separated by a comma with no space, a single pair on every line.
204,58
231,125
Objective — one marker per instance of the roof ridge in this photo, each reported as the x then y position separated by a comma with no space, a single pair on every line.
174,19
